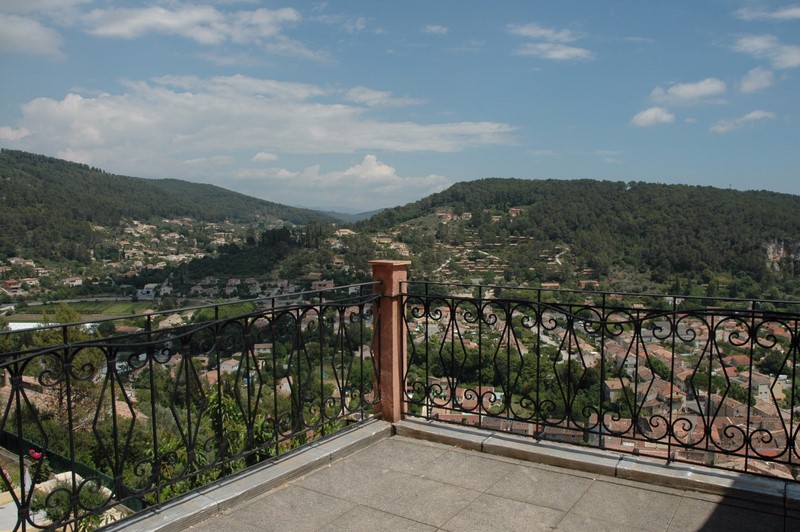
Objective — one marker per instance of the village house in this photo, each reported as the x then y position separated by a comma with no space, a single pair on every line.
763,387
19,261
229,366
284,387
12,287
326,284
613,389
148,292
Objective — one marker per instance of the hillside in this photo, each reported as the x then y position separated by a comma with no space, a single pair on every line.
612,235
50,205
662,231
617,236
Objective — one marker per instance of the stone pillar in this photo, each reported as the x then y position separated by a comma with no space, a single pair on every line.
389,344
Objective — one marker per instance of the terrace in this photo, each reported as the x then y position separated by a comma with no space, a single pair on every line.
407,403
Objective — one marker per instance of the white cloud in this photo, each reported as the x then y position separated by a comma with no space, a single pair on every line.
49,6
263,156
550,43
205,25
652,116
367,185
557,51
756,79
8,133
435,29
69,154
534,31
348,24
28,36
724,126
239,85
609,156
705,91
283,45
217,160
183,117
785,13
373,98
768,47
355,25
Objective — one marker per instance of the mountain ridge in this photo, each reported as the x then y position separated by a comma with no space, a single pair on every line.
50,205
666,230
666,233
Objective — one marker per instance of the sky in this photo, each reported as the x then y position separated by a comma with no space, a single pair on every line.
356,105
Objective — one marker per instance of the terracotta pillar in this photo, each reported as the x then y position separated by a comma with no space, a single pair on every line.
389,344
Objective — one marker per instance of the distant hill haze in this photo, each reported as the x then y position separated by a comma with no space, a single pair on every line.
50,205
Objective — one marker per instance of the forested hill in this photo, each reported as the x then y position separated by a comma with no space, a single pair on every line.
48,200
666,229
35,181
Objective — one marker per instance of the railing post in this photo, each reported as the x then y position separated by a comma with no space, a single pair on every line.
389,344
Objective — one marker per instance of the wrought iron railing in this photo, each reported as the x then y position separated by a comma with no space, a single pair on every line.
163,403
667,377
133,412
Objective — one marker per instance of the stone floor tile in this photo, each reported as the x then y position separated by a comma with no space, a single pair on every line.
488,512
582,523
422,499
627,505
402,484
351,481
398,454
468,470
398,493
364,519
288,508
541,487
224,522
694,514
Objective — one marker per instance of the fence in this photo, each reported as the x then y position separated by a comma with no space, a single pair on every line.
160,404
666,377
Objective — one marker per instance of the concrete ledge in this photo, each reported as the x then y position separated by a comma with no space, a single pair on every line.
194,507
771,491
464,437
511,446
779,494
793,500
553,453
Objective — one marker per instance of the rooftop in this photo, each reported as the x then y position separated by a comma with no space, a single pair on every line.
431,476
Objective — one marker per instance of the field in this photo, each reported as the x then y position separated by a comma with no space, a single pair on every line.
87,309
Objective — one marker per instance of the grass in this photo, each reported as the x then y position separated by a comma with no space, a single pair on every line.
92,308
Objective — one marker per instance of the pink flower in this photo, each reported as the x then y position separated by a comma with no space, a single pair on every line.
36,455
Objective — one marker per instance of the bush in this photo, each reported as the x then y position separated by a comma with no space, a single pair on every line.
56,504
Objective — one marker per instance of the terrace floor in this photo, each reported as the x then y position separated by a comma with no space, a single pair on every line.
412,476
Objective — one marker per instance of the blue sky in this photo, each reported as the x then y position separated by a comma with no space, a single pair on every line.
363,105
